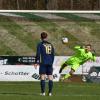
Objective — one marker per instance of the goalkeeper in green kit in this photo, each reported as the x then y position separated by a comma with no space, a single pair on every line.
82,55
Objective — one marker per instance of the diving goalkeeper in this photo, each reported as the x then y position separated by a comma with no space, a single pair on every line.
82,55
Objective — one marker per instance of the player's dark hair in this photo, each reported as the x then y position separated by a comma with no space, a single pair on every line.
88,45
43,35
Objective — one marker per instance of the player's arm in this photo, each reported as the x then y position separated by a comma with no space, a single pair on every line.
93,55
38,52
93,58
78,48
53,53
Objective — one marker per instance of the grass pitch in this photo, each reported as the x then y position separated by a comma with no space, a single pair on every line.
61,91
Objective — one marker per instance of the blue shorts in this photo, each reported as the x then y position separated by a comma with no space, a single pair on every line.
46,69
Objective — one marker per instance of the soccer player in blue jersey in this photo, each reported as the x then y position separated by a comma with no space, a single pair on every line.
45,58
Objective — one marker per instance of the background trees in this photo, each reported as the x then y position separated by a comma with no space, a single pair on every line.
51,4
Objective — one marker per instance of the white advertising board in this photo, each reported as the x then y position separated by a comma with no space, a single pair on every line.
23,73
29,73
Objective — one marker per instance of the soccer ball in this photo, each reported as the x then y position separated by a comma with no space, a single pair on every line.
64,40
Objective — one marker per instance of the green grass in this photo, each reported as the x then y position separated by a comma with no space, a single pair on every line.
57,32
5,50
95,28
18,31
52,27
97,14
64,91
72,17
30,16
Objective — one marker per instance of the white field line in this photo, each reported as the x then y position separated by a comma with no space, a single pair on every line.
74,86
80,95
56,95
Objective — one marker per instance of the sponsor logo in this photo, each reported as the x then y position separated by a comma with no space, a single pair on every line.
37,76
16,73
94,74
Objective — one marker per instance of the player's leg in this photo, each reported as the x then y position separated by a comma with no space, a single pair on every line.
69,74
42,83
62,67
74,67
50,84
50,78
42,72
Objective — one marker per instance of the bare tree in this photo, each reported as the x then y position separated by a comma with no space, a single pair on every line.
71,3
52,4
1,1
18,4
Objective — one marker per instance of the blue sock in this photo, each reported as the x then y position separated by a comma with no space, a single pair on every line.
50,84
42,86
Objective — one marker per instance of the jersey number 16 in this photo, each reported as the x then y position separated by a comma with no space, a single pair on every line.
48,49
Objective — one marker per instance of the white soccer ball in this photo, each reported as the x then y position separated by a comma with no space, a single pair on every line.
65,40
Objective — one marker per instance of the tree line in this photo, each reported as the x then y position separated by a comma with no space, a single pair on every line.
50,4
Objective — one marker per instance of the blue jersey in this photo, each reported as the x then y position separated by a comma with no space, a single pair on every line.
45,53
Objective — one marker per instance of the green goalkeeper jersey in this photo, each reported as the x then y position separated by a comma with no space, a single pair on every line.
81,56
